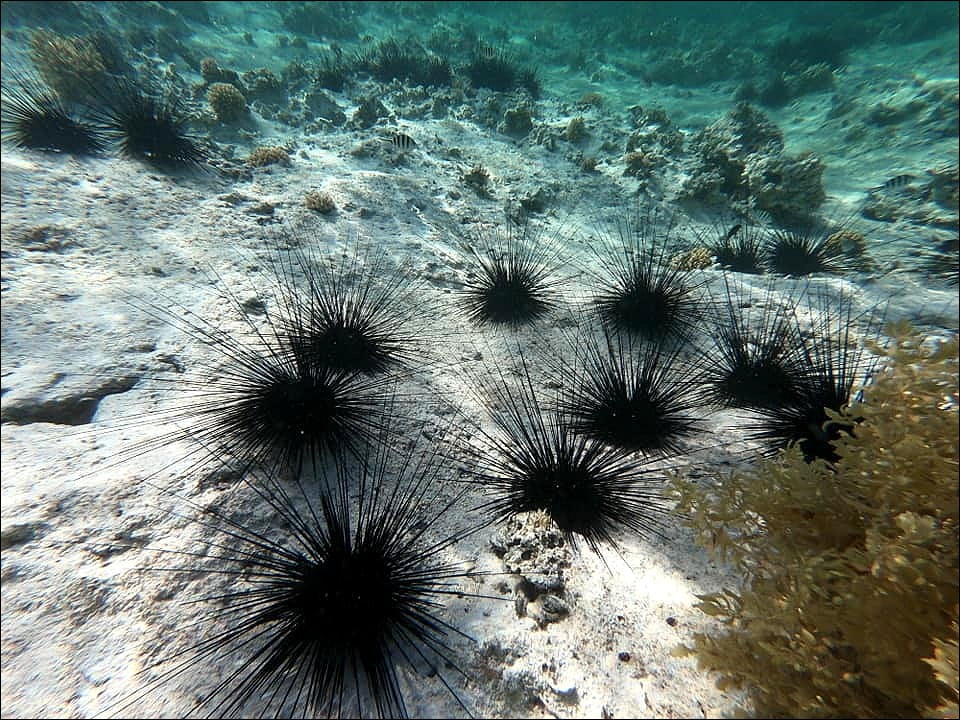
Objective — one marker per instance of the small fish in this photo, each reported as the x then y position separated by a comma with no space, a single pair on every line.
402,141
894,183
733,231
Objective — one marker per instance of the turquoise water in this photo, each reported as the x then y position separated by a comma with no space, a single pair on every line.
142,257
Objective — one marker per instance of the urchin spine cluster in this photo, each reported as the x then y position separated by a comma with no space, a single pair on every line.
146,124
329,616
34,117
638,290
326,617
513,280
754,363
635,396
141,123
790,379
360,313
534,460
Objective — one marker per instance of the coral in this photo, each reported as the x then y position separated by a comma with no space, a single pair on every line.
533,547
576,130
588,163
268,155
261,84
698,258
212,73
227,102
517,121
590,99
320,202
323,107
66,64
789,187
849,603
369,111
741,157
640,164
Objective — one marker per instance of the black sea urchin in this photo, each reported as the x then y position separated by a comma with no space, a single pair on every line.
146,125
322,614
33,117
263,395
535,461
633,396
360,312
392,59
758,359
834,363
493,68
513,280
739,248
807,251
639,291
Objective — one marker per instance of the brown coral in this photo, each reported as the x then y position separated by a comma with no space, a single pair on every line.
639,163
228,103
576,130
67,64
698,258
268,155
319,201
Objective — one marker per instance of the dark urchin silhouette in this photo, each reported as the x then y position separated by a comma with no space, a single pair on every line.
493,68
639,291
636,398
513,280
834,363
146,125
805,252
34,117
943,262
392,59
535,461
739,248
324,610
361,312
264,397
756,362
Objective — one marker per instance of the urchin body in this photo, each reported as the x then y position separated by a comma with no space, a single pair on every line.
637,290
34,118
635,397
146,125
513,281
535,461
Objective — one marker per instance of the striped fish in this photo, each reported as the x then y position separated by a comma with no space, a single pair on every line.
894,183
402,141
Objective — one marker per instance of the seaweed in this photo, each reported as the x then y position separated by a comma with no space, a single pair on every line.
849,603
